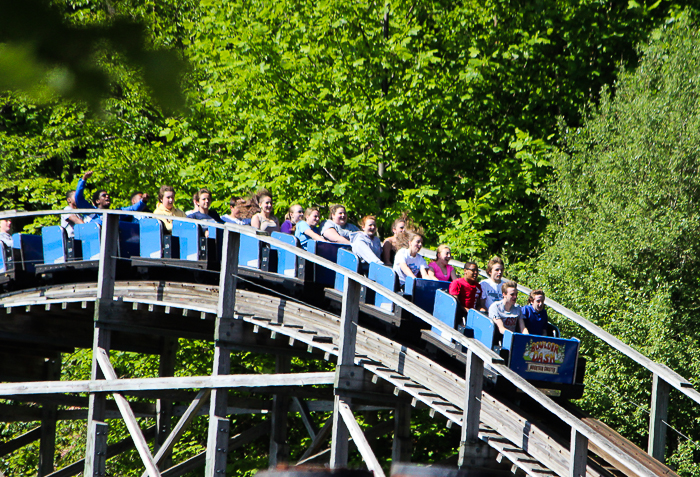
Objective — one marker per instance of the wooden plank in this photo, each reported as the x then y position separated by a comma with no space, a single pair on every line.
660,391
158,384
20,441
129,418
579,454
359,439
192,411
625,446
471,415
235,442
109,249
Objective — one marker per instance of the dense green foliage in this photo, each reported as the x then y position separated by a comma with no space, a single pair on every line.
625,242
443,109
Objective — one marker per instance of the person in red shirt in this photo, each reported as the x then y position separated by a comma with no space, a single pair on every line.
467,289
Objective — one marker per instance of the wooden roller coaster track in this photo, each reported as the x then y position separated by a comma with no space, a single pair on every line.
372,371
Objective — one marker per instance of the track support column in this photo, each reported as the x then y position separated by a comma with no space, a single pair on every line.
164,407
47,446
97,429
469,447
659,413
348,377
226,333
579,454
279,448
403,446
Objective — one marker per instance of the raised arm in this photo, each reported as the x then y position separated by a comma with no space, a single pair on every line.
80,201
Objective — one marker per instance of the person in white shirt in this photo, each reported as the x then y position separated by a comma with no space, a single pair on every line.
491,287
506,314
408,262
68,221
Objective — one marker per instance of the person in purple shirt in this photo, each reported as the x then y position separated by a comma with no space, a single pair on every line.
535,313
101,200
294,215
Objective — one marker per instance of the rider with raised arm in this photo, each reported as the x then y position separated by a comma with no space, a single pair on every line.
101,200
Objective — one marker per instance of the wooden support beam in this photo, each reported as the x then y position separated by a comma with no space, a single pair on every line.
657,420
306,417
164,407
20,441
472,406
402,446
47,446
317,441
192,411
225,333
579,454
97,429
359,438
349,377
252,381
279,449
129,418
371,433
235,442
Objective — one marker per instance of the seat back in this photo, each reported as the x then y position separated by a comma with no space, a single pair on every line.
129,244
482,326
6,259
191,239
329,251
346,259
444,309
151,238
286,261
89,236
54,244
249,252
422,291
386,277
29,250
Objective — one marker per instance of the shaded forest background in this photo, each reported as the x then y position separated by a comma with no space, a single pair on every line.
560,135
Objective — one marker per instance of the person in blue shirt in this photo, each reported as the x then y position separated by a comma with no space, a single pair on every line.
204,211
101,200
307,229
535,313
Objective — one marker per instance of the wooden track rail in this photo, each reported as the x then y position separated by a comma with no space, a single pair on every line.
138,316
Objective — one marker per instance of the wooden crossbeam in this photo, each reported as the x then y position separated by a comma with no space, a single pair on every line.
128,415
20,441
191,412
235,442
316,442
306,417
159,384
359,438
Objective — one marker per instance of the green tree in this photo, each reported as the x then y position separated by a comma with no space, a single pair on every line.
624,243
